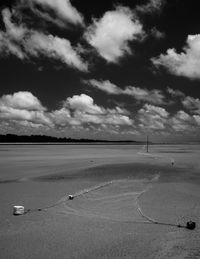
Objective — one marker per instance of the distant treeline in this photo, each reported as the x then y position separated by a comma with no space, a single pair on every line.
11,138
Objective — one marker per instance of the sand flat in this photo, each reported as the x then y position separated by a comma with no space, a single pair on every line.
104,222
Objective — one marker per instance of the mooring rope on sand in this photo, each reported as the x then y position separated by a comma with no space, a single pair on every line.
151,220
139,208
93,188
97,187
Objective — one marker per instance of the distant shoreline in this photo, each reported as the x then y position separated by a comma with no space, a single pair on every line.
71,143
50,140
114,143
12,139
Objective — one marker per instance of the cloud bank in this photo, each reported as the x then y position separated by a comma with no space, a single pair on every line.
81,109
24,111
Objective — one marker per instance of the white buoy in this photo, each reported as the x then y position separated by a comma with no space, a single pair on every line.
18,210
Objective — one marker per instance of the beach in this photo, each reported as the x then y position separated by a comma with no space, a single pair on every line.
122,195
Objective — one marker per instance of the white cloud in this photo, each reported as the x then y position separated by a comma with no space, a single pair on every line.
61,117
111,34
186,63
197,119
24,43
62,9
23,112
83,103
183,116
22,127
182,121
28,125
152,117
54,47
15,32
23,106
105,86
12,35
81,109
23,115
22,100
153,96
192,104
152,6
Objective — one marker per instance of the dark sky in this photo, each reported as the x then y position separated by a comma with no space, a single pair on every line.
111,70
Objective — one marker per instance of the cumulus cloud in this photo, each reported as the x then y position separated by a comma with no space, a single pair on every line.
152,117
192,104
84,103
182,121
23,107
186,63
18,40
152,6
197,119
111,34
22,101
22,111
153,96
81,109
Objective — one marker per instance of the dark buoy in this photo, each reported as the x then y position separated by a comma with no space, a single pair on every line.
71,197
190,225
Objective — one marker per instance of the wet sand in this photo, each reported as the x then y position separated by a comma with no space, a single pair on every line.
100,222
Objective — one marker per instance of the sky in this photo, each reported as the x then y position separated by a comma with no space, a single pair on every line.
115,70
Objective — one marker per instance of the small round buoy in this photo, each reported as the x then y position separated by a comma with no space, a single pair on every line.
71,197
190,225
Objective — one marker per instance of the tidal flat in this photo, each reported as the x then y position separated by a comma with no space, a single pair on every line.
111,185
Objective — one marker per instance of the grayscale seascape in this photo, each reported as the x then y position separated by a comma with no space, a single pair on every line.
99,129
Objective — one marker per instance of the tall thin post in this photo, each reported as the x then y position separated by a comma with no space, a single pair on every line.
147,143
